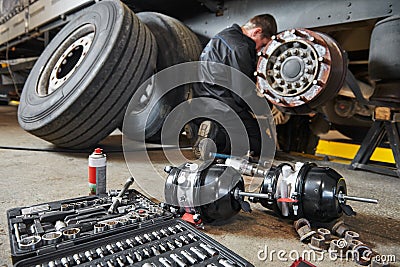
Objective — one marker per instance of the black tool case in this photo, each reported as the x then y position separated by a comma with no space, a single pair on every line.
37,224
169,243
145,235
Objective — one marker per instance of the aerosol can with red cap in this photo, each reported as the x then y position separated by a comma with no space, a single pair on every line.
97,172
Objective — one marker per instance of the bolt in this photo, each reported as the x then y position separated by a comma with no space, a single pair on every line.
325,233
338,247
351,235
262,54
303,228
353,243
318,82
339,229
324,60
259,74
298,33
304,79
362,254
317,242
277,38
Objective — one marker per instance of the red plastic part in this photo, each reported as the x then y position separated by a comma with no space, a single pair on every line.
287,200
302,263
189,218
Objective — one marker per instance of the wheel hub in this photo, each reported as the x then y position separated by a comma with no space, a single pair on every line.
298,66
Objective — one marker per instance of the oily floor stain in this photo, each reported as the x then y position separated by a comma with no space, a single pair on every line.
373,228
257,223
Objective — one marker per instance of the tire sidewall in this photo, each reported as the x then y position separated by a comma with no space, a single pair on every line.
37,111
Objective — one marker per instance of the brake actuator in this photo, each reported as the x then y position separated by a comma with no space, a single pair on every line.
216,192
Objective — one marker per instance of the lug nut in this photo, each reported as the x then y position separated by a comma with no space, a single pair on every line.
351,235
354,243
317,242
338,247
339,229
362,255
303,228
325,233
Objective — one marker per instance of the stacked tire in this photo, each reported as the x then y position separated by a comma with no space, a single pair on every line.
79,88
94,83
176,44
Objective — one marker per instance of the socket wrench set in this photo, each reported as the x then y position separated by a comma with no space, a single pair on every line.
46,228
171,243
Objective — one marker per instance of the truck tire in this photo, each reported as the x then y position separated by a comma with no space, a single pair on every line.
78,90
384,52
177,44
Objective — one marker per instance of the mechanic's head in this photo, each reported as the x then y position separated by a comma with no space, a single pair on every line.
260,28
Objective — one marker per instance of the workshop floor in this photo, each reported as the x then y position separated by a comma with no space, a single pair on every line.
29,177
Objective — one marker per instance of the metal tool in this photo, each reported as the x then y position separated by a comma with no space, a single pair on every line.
178,260
117,200
209,249
71,233
165,262
64,262
226,263
35,209
77,258
189,257
51,238
198,253
16,233
99,252
155,251
129,259
99,227
88,255
30,242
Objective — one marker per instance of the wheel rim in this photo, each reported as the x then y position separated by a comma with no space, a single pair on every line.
293,69
300,66
65,60
143,97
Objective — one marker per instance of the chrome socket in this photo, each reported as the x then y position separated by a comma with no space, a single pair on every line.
30,242
51,238
71,233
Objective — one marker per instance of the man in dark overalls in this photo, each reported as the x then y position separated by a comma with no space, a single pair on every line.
237,47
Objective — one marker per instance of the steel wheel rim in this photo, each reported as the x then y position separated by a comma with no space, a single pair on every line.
65,61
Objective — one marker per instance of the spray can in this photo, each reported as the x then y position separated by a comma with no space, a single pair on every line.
97,172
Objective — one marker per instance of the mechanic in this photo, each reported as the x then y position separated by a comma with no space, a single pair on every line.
236,47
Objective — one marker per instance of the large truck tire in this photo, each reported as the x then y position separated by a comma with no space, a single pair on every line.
79,88
176,44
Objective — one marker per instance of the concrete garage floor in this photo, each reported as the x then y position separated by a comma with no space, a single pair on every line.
33,177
